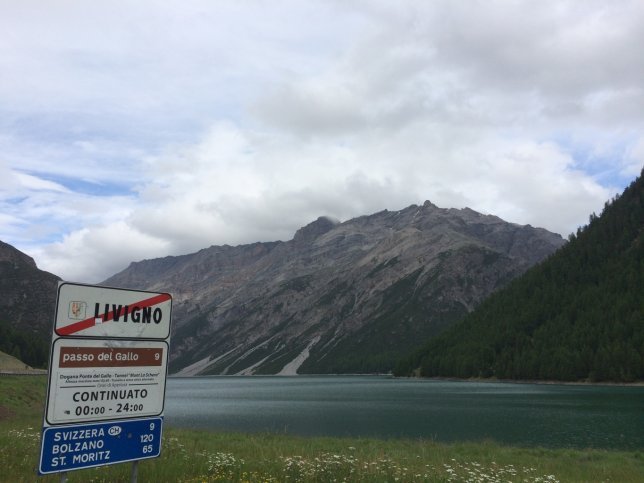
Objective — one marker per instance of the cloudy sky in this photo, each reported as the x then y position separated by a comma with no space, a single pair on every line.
139,129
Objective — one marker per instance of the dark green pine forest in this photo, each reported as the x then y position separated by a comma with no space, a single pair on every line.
30,349
577,316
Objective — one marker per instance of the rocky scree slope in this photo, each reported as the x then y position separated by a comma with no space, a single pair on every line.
346,297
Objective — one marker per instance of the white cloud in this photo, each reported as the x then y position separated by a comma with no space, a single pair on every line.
634,159
29,182
84,255
141,129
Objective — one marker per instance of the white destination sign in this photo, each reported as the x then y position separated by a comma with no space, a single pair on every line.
91,311
96,380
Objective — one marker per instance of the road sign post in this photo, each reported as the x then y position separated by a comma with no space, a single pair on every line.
107,374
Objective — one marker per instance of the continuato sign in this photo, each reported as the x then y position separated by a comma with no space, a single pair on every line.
107,376
94,380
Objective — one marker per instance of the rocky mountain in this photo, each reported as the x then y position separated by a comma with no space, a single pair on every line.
338,297
27,304
579,316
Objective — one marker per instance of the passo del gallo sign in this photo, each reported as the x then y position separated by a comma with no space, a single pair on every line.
95,380
108,365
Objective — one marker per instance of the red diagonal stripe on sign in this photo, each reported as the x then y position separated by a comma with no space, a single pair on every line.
91,322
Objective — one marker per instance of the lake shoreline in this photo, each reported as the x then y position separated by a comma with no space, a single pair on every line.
448,379
531,381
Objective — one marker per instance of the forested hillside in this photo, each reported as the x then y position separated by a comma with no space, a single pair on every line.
27,303
579,315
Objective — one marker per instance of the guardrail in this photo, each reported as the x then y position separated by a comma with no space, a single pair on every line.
33,372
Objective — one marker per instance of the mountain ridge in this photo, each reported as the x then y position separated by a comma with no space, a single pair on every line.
351,295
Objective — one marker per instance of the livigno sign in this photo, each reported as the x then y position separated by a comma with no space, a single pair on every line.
107,376
92,311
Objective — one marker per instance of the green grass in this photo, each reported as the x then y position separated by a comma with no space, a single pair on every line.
10,363
22,397
200,456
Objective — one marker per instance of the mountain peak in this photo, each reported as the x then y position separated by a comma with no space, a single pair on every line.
429,204
314,229
13,255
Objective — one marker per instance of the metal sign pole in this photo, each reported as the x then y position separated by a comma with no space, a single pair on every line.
63,477
135,472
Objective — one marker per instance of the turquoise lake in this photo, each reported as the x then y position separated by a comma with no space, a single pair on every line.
386,407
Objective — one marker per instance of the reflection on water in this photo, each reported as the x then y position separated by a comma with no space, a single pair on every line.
378,406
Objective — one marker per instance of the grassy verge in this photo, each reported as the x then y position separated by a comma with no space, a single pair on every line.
199,456
21,397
